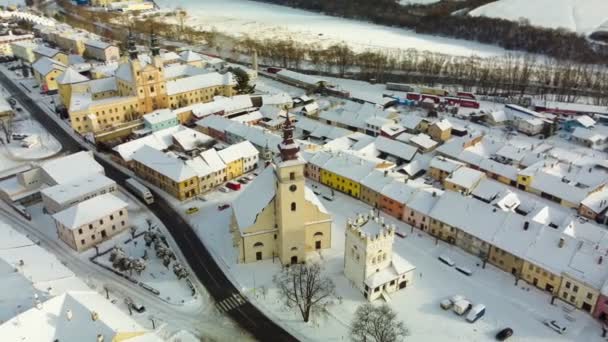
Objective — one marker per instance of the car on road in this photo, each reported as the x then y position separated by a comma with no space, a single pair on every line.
223,207
464,270
556,326
191,210
140,308
446,260
504,334
476,313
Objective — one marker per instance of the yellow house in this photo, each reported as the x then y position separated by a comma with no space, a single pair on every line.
277,215
578,293
541,278
505,261
71,81
345,172
340,183
44,51
440,130
441,167
464,180
46,72
170,174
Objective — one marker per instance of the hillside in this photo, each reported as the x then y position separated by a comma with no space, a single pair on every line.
581,16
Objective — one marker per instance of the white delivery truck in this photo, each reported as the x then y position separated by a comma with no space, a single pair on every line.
139,190
462,306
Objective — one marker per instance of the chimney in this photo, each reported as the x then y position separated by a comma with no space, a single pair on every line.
600,260
561,242
94,315
385,173
434,193
526,225
69,314
99,338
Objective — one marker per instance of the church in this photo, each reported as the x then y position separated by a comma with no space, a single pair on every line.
277,216
138,85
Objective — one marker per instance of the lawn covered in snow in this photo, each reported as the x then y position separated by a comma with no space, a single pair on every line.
582,16
521,307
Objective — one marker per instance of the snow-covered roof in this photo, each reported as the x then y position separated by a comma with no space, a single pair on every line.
597,201
97,44
445,164
189,139
423,201
124,72
170,56
398,191
410,122
71,76
46,51
377,180
63,193
181,70
303,78
395,148
160,140
103,84
465,177
546,253
588,135
469,215
159,116
585,121
498,116
190,56
554,185
191,83
44,65
572,107
424,141
172,168
279,99
74,166
249,117
349,166
254,198
206,163
50,322
234,152
443,125
398,267
90,210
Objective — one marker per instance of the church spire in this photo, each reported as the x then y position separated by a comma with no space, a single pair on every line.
154,47
288,147
131,48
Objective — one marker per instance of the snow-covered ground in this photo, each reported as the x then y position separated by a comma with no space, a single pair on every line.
521,307
171,289
261,20
582,16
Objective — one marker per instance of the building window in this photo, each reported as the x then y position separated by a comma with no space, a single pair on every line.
111,217
572,299
80,231
567,284
100,221
90,226
293,206
93,237
82,242
589,295
575,288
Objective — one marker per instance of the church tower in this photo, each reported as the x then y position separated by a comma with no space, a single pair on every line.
290,200
149,80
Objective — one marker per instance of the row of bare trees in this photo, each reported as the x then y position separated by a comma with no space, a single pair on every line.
510,74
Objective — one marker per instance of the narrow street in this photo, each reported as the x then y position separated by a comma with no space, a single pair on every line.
198,257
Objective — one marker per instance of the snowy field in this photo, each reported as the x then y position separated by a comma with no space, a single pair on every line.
521,307
582,16
261,20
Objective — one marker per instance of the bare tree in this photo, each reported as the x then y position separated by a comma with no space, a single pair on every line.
304,286
376,324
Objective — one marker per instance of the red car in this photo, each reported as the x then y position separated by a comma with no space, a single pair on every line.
223,207
233,186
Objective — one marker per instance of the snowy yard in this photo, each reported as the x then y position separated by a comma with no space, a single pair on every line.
521,307
155,275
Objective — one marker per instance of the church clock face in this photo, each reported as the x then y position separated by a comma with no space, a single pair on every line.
293,188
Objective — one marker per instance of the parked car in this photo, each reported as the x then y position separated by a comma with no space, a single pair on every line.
504,334
555,325
191,210
224,189
476,313
446,260
446,304
462,306
223,206
464,270
243,180
233,186
140,308
250,177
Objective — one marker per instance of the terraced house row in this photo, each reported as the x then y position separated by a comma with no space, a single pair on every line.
547,246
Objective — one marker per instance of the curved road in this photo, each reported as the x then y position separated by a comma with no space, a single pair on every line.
198,257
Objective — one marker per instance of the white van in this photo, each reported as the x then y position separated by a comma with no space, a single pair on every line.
464,270
476,313
462,306
446,260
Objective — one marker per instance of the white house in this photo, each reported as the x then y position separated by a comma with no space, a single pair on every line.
369,261
91,222
62,196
